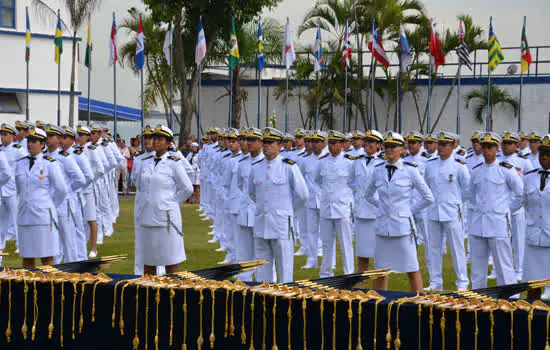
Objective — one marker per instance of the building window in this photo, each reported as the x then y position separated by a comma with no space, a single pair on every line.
9,103
7,13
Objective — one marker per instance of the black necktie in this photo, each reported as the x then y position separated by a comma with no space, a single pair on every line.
391,170
543,176
31,162
157,160
369,158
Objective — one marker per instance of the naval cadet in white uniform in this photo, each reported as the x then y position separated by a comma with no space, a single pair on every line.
496,189
41,189
364,213
357,143
449,181
536,193
396,181
275,184
335,178
534,143
22,133
165,186
523,145
522,165
6,175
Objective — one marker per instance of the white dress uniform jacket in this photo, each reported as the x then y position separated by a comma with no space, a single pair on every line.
8,193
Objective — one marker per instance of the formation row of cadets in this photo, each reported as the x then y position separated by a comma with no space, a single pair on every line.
61,191
396,200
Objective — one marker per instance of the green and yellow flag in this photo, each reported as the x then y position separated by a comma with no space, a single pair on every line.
234,57
495,52
88,58
58,40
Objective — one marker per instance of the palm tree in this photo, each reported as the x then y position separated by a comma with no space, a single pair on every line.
79,12
477,99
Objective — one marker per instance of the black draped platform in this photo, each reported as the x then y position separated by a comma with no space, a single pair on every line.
171,318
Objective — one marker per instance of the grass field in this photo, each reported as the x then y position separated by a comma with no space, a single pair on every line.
200,254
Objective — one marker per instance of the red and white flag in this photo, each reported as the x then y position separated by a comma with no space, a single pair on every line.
346,52
289,56
375,46
113,57
437,57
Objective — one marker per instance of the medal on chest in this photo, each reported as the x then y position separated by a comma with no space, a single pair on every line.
41,174
450,177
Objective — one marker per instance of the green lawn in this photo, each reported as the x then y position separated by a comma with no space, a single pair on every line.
200,254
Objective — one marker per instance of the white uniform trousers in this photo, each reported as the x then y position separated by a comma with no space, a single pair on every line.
365,237
330,228
312,237
66,222
518,239
228,238
300,227
244,249
453,232
8,218
421,223
81,228
218,221
279,253
105,223
115,208
501,250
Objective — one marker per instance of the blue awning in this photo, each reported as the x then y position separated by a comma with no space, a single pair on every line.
107,109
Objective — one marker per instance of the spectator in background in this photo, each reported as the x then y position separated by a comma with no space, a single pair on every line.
134,151
193,158
122,172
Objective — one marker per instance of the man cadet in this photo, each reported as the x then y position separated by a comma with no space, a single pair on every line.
6,175
218,182
67,145
275,185
335,178
495,190
13,152
91,194
534,143
523,145
75,180
364,212
299,224
244,236
475,157
309,168
111,143
449,181
523,165
206,173
430,145
536,193
22,133
357,143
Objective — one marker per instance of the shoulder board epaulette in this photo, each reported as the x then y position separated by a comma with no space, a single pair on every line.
477,165
383,156
410,164
63,153
16,145
305,154
105,144
380,163
92,147
532,171
236,155
469,149
148,157
175,159
49,158
471,155
426,155
406,154
227,155
522,156
243,158
360,156
460,161
258,161
288,161
77,151
461,152
220,150
25,157
137,154
349,157
506,165
321,157
432,159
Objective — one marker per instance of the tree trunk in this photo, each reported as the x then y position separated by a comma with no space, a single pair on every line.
73,78
236,105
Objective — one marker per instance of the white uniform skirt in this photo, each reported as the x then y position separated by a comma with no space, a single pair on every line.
396,253
38,241
160,246
536,263
365,237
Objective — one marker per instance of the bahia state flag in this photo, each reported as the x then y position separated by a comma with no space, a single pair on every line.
140,47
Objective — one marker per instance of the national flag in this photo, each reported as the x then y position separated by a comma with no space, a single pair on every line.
200,49
405,50
462,50
495,53
140,46
319,60
88,58
526,59
289,56
260,46
28,37
347,50
437,56
167,47
58,40
376,48
234,57
113,57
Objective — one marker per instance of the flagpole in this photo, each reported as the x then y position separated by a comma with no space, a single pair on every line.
59,91
171,80
259,97
487,122
89,92
316,115
458,98
27,93
429,95
373,70
142,109
230,97
345,99
199,103
521,85
286,103
114,89
399,94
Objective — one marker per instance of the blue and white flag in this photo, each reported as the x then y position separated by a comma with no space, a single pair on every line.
405,50
200,50
140,47
260,47
319,62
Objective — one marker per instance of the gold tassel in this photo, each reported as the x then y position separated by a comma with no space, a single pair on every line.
476,332
375,322
61,329
264,323
184,345
35,302
431,325
113,316
157,300
51,326
200,339
289,315
419,313
146,318
334,326
24,328
492,323
231,317
459,328
547,346
226,325
322,313
135,341
274,347
93,300
397,341
388,333
512,329
304,329
529,325
442,324
243,332
212,337
81,318
350,318
8,330
172,293
75,296
251,321
121,314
